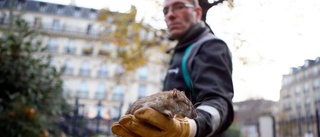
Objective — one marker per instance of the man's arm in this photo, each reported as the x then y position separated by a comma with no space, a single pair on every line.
212,80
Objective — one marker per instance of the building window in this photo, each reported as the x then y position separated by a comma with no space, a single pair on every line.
306,87
68,67
297,90
60,10
115,112
118,93
109,19
307,102
317,99
70,48
87,49
316,85
306,74
298,103
43,7
52,45
142,91
37,22
143,73
77,12
56,25
119,70
105,50
315,70
66,89
93,14
20,5
103,71
101,90
85,68
83,91
90,29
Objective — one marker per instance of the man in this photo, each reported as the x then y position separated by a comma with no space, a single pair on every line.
211,75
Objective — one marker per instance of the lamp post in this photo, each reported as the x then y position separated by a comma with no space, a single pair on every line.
317,120
75,115
98,115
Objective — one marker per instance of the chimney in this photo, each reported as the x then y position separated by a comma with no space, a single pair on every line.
73,3
308,62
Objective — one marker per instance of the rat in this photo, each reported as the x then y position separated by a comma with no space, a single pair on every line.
170,103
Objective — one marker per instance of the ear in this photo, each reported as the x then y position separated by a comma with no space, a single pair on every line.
184,93
175,93
198,12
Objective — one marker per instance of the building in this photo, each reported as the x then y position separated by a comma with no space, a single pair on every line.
300,100
249,113
71,34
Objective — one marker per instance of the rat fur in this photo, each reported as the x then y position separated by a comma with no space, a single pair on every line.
171,103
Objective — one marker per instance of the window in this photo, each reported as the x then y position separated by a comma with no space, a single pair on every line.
109,19
103,71
20,5
297,90
119,70
306,87
315,70
87,49
89,29
37,22
307,102
143,73
77,12
298,103
52,45
43,6
105,50
70,48
316,85
66,89
2,17
118,93
68,67
100,91
115,112
142,91
56,25
85,68
60,10
317,99
306,74
83,90
93,14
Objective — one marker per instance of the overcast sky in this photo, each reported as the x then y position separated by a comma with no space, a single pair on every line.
284,33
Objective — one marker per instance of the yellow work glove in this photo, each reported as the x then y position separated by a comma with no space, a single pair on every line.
147,122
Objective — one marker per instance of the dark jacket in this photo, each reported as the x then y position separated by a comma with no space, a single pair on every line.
211,74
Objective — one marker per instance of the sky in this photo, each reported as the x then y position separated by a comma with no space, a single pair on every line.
278,35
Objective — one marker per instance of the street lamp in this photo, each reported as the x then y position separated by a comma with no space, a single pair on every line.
99,107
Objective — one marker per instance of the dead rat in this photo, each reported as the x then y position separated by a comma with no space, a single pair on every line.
171,103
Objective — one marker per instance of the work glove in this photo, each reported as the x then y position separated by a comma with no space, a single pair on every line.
147,122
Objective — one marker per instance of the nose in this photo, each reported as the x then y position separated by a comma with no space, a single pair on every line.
169,14
193,114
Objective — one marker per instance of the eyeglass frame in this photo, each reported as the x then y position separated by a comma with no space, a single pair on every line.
177,7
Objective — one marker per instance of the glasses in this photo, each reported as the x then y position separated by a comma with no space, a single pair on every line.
177,8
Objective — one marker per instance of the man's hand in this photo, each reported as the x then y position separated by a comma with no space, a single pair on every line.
147,122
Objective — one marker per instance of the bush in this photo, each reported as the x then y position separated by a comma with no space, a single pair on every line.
30,90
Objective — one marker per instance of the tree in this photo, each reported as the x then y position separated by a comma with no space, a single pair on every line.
132,38
31,90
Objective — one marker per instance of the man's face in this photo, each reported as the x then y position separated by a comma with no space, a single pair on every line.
180,15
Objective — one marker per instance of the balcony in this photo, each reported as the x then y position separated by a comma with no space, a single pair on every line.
83,94
67,30
84,72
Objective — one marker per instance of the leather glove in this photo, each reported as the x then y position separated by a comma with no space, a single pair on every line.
147,122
